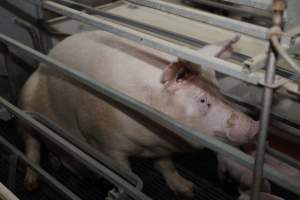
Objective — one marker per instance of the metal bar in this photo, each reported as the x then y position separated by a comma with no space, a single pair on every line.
278,7
234,9
43,174
155,30
253,108
205,17
193,137
174,36
129,176
284,54
259,4
180,51
13,161
281,156
75,153
39,12
33,32
10,75
264,123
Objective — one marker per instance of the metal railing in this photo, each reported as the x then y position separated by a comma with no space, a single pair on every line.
154,117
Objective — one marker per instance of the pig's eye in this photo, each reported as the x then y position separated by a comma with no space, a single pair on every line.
203,104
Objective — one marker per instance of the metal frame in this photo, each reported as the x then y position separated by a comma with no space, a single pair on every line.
260,4
131,106
212,19
122,101
185,53
74,152
43,174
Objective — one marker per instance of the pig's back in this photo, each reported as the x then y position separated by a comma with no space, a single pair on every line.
116,62
122,65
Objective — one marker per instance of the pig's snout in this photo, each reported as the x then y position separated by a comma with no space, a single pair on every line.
242,129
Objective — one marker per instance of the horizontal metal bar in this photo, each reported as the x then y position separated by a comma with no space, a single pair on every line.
114,97
43,174
205,17
153,29
253,108
75,153
180,51
99,156
281,156
259,4
234,8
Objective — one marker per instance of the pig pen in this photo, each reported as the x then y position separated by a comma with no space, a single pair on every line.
199,167
203,174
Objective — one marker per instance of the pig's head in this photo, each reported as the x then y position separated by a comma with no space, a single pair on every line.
198,103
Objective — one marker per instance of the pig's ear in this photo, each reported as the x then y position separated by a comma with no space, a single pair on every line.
209,75
173,71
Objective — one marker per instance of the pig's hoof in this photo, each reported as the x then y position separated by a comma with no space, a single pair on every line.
184,189
31,181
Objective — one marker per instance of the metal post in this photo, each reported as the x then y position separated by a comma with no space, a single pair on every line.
44,41
278,8
12,171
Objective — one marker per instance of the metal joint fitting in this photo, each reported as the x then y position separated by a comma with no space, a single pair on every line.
279,5
275,31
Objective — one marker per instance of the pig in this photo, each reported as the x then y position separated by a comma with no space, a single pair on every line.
239,173
244,176
159,80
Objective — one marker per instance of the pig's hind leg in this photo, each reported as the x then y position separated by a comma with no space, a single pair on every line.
182,187
32,151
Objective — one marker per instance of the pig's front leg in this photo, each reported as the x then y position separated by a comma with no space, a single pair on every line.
32,151
182,187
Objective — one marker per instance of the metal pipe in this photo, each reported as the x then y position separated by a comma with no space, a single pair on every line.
264,123
75,153
276,44
103,159
224,22
43,174
11,78
116,98
208,18
180,51
281,156
259,4
234,9
278,7
149,28
33,32
12,171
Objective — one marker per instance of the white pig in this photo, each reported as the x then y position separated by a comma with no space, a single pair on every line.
239,173
244,176
147,75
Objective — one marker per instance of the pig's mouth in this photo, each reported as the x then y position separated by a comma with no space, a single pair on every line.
221,135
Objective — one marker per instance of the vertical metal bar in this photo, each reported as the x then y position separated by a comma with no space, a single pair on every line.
60,188
6,59
264,123
12,171
278,8
43,38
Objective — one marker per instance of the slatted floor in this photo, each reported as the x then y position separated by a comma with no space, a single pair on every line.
199,167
